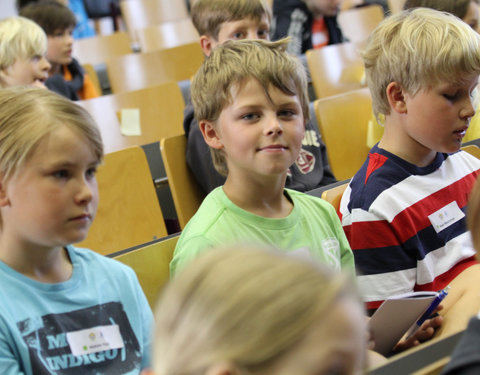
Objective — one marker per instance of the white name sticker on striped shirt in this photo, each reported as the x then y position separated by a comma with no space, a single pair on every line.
446,216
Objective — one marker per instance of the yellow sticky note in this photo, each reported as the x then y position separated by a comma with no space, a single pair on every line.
130,121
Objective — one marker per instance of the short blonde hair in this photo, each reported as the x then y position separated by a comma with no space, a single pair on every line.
235,62
458,8
243,305
473,216
20,38
419,48
209,15
28,114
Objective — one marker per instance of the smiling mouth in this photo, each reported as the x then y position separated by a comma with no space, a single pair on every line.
273,148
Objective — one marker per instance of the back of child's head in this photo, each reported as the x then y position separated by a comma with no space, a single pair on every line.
50,15
27,115
20,38
458,8
418,49
245,306
208,15
234,63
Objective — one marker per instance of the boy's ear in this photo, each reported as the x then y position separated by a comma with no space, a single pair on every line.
396,97
210,134
4,201
207,43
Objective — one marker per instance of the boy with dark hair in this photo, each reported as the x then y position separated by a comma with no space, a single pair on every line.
67,76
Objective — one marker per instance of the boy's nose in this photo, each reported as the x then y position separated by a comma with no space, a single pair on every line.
273,126
468,111
44,64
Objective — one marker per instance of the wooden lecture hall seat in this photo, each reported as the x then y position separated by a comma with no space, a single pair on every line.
167,35
358,23
335,69
151,263
139,14
342,121
186,193
139,70
97,49
128,212
160,108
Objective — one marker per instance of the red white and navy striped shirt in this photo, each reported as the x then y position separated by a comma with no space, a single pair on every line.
406,224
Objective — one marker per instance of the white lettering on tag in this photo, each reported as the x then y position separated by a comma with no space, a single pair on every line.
446,216
95,339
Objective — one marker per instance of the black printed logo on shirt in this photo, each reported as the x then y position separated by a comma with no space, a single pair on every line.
46,339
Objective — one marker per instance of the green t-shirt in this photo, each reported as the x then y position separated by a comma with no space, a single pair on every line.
312,227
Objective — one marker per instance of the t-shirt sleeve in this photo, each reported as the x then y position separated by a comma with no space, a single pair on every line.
9,360
186,250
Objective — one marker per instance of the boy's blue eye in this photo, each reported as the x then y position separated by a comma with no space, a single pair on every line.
250,116
263,34
63,173
238,35
91,172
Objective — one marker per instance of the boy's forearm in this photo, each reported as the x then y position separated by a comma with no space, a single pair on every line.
462,303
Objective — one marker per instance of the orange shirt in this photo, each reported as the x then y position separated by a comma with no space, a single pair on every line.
88,91
320,37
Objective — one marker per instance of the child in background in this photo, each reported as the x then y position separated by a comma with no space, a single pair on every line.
67,76
251,104
403,212
310,23
255,311
64,309
216,22
23,45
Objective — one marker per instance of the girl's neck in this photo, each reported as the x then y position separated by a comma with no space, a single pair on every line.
47,265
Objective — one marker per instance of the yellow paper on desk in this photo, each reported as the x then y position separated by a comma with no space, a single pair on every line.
130,121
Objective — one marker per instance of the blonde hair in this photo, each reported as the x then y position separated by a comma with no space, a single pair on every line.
458,8
473,216
419,48
245,306
235,62
28,114
20,38
209,15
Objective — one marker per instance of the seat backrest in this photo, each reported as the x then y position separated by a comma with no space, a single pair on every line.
334,195
98,49
161,115
92,73
186,193
342,121
395,6
335,69
167,35
151,263
472,149
139,14
358,23
139,70
128,212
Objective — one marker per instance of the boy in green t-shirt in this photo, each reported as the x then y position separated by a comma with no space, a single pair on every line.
251,104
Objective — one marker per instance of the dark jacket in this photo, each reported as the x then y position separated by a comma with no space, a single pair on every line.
292,18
